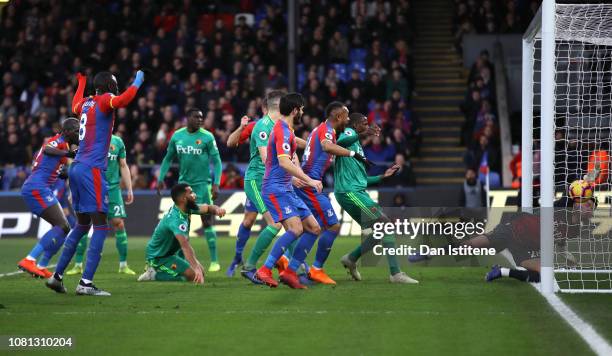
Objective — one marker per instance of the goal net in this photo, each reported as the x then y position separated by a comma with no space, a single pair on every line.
567,136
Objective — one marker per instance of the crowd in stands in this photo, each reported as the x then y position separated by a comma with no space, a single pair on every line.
492,17
215,55
480,131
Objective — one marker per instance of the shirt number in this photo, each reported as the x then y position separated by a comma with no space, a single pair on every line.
82,127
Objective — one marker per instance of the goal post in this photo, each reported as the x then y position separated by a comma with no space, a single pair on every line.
566,117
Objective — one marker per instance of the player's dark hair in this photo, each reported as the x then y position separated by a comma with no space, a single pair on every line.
70,124
192,111
332,107
289,102
354,118
272,99
103,81
178,191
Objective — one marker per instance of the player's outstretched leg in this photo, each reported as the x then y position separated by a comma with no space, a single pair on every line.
326,240
293,229
78,258
303,247
168,269
121,243
94,254
244,233
49,244
55,282
264,239
211,240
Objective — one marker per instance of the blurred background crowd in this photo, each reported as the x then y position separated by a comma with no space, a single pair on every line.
222,57
219,56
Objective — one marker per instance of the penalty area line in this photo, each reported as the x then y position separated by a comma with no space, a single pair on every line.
586,331
18,272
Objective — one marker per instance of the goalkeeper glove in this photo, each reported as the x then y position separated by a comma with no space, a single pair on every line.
369,164
139,79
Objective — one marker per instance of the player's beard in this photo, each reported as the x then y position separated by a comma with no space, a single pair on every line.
192,205
297,119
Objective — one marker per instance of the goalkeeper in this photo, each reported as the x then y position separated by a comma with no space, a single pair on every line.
350,182
169,254
195,148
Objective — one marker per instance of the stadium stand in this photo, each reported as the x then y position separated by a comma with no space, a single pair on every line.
215,55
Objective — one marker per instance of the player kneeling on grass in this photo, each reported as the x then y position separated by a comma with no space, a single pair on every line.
170,256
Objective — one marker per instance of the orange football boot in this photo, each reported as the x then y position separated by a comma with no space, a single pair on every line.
46,272
265,275
282,264
29,266
291,279
319,275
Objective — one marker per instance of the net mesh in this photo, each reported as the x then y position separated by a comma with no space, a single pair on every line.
583,137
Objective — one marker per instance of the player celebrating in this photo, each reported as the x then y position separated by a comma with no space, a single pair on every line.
88,188
38,195
171,237
278,194
252,187
350,182
116,172
194,147
320,149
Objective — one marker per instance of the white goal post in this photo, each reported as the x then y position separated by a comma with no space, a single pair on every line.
566,121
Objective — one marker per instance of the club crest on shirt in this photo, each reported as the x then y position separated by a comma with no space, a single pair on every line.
49,198
288,210
330,213
112,147
286,146
173,266
198,142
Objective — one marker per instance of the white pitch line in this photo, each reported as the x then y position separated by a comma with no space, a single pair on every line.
18,272
595,341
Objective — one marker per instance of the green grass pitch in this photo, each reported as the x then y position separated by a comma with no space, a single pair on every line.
452,311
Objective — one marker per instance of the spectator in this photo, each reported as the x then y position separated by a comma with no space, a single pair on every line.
377,152
473,193
404,176
231,178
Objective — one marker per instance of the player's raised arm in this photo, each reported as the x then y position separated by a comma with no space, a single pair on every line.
190,256
236,137
77,100
128,95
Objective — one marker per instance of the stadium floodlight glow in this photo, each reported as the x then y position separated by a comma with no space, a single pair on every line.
566,117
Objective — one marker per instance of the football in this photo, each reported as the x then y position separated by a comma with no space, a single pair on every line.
581,189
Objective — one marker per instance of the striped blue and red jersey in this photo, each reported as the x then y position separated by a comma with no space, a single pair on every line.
46,168
280,143
96,127
315,161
